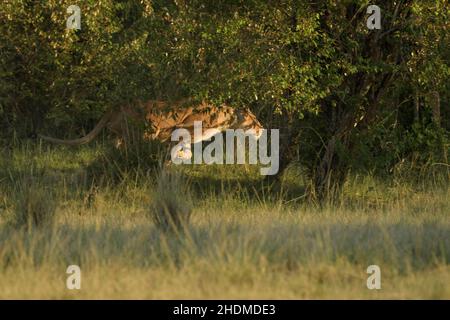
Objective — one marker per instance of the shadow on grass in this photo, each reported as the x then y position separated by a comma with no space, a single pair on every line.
80,169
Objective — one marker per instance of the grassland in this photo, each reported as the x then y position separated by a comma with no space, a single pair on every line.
245,239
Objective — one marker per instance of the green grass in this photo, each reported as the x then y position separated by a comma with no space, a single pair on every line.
245,239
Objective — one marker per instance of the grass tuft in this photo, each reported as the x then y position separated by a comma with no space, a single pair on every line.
172,204
34,205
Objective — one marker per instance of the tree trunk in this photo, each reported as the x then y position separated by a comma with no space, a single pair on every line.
332,170
436,105
416,107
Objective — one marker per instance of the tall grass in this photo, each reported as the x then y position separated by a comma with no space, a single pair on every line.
171,207
34,205
244,239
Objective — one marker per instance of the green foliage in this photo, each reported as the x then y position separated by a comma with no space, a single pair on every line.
296,64
390,145
63,73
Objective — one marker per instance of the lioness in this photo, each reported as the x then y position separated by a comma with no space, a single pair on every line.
161,118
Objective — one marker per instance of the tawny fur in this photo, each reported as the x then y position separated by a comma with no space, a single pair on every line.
160,118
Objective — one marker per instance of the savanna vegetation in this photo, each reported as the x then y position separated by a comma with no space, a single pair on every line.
364,117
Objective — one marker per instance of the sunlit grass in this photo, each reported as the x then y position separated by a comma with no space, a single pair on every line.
245,239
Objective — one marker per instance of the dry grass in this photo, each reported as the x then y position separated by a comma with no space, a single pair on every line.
34,205
241,241
171,206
